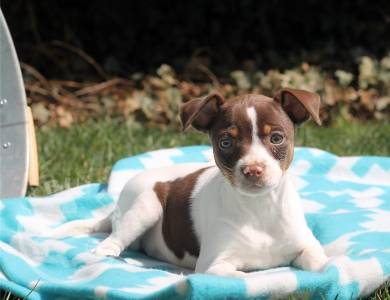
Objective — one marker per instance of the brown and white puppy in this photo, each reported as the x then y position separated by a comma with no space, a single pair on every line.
241,214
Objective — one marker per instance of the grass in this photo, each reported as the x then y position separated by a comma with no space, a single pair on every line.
86,152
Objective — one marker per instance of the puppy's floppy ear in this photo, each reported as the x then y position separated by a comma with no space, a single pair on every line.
200,113
299,105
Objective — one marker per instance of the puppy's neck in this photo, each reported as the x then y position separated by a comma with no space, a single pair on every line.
274,194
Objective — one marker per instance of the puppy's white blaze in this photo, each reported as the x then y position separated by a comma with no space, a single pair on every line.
258,154
251,111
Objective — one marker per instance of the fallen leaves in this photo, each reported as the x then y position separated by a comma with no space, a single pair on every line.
154,99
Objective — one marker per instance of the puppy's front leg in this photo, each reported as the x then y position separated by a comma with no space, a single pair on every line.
311,258
224,268
217,266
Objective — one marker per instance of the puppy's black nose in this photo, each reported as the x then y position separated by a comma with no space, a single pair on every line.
254,170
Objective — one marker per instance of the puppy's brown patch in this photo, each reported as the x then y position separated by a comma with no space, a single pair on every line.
177,227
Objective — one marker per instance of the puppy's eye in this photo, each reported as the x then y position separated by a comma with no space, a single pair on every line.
225,142
276,138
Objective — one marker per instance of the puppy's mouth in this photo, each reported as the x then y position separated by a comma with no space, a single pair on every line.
254,185
251,187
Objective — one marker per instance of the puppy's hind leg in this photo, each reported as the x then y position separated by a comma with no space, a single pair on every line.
80,227
127,226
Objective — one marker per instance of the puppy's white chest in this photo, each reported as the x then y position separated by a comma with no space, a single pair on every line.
255,239
255,233
259,249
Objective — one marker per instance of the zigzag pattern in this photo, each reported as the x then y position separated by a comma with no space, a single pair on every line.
346,202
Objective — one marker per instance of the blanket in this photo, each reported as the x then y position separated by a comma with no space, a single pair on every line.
346,202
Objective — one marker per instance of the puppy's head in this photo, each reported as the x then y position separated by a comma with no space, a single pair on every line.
252,135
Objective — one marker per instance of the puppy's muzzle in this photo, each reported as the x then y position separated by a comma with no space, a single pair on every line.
253,172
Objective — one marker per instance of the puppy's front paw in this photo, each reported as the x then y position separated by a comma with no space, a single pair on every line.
108,248
312,259
225,270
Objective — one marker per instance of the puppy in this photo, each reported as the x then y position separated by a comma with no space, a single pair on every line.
239,215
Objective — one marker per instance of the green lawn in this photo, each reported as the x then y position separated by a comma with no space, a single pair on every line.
85,153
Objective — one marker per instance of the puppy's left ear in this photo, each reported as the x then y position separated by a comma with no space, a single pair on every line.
299,105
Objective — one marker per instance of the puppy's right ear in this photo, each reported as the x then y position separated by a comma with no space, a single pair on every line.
200,113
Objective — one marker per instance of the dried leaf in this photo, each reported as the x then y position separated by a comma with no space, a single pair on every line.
242,80
167,74
344,78
65,118
382,103
367,99
40,112
367,72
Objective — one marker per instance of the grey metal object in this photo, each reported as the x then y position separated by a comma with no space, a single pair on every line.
13,120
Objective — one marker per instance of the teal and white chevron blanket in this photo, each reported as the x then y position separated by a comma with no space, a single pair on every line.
346,202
